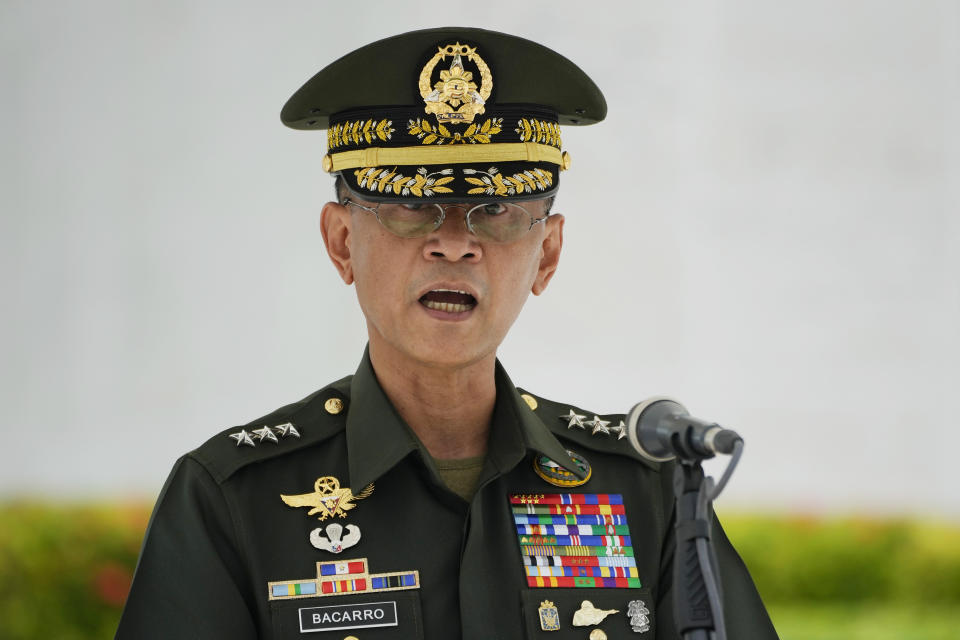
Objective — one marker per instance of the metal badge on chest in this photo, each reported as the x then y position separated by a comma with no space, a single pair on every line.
558,476
328,499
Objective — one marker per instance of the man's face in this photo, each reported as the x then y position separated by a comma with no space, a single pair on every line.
407,287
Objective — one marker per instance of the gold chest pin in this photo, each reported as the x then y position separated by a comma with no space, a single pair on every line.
549,616
588,615
328,498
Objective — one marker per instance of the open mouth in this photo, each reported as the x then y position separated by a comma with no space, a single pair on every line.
448,300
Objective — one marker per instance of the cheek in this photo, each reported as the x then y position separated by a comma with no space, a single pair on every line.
531,263
519,280
378,268
369,248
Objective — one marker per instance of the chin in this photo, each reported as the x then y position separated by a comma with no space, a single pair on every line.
451,354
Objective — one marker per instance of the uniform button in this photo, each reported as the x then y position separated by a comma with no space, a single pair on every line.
351,638
596,634
333,405
530,400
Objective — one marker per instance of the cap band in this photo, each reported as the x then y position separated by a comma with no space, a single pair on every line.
492,152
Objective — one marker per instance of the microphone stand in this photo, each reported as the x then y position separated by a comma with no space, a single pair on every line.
695,613
698,595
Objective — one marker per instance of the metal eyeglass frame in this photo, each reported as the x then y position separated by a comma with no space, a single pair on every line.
443,216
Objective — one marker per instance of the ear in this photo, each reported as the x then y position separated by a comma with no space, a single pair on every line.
336,227
550,253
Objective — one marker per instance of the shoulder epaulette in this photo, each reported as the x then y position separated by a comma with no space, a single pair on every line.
295,426
605,433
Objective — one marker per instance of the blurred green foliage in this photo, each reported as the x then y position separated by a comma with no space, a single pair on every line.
796,559
853,578
878,621
65,571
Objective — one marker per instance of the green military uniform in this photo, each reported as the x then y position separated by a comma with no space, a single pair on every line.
329,516
221,531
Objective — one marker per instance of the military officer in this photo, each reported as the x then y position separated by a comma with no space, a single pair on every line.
426,496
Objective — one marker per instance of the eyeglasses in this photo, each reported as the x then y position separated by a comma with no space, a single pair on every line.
497,222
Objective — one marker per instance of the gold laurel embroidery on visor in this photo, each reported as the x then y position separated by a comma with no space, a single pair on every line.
455,97
439,135
358,131
494,183
421,184
534,130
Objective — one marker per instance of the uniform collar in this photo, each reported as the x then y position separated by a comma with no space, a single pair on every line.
378,438
516,429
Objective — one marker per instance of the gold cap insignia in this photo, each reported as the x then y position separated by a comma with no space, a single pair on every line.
455,97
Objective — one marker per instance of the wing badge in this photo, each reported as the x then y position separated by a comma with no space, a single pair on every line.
335,541
328,499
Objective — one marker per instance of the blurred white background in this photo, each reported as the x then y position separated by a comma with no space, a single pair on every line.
765,227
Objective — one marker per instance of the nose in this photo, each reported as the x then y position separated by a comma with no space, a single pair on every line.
452,240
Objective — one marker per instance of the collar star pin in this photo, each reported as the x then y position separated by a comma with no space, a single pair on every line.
265,433
286,430
574,419
599,426
243,437
620,430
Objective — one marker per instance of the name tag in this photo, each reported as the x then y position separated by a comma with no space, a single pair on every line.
348,616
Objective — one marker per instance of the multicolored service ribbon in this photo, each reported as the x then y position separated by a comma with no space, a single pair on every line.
343,577
575,540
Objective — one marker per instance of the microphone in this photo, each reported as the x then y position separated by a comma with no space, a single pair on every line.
661,429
